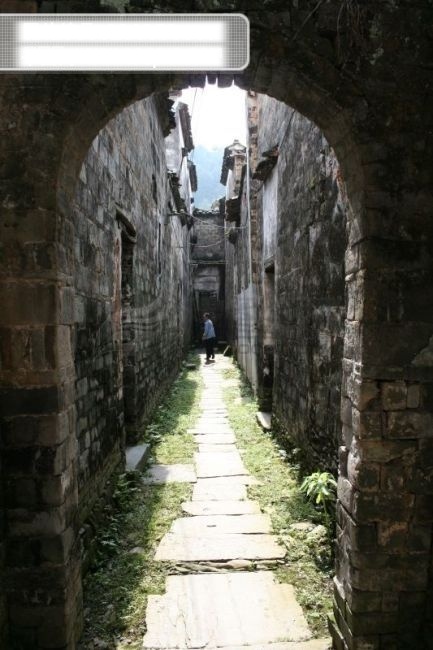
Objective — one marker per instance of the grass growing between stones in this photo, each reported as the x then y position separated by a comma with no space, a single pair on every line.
167,434
124,573
308,564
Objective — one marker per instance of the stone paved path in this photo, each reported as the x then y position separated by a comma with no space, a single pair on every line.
229,608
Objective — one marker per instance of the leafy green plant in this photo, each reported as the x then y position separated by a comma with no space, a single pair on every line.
321,489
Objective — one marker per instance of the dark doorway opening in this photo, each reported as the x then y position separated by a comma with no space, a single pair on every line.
128,347
268,337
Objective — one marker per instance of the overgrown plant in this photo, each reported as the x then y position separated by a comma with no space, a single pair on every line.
321,489
108,539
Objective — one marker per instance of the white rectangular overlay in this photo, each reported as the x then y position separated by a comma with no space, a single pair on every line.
119,42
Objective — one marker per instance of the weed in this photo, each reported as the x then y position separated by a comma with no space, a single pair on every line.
320,488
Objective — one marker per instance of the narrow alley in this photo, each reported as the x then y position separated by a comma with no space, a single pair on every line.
221,556
292,200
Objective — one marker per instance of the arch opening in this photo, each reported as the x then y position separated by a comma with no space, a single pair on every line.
261,362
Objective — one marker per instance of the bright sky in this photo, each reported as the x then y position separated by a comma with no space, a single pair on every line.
218,115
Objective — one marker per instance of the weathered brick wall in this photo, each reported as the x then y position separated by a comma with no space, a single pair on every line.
178,164
309,249
208,279
230,296
130,290
291,245
209,228
240,279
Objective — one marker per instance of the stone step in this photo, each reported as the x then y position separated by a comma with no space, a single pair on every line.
264,419
219,491
207,432
214,438
223,546
229,508
219,465
314,644
226,610
210,525
137,456
211,449
177,473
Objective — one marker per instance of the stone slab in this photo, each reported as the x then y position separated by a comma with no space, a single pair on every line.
219,465
213,405
218,547
214,438
136,456
211,394
222,611
314,644
219,491
236,479
214,423
158,474
212,449
211,426
221,508
221,524
217,415
264,419
221,432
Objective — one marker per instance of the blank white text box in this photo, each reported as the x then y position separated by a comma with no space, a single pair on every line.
119,42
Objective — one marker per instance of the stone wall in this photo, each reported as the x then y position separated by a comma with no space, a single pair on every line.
130,290
240,269
285,271
208,279
309,284
179,144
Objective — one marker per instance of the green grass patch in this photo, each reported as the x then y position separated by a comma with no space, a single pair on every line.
308,563
167,434
124,573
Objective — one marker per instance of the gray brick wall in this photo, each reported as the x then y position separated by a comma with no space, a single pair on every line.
132,293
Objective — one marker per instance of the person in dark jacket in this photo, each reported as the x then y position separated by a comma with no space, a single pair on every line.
209,337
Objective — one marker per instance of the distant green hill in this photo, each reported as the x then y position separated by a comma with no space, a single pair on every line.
208,163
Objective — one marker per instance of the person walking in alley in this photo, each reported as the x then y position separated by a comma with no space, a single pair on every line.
208,337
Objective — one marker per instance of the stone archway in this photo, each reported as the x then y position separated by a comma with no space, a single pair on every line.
385,514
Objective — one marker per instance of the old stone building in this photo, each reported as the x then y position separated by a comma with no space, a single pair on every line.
286,221
131,301
360,71
126,324
208,271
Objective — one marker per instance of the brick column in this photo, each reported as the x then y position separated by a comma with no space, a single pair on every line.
41,576
38,445
385,509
